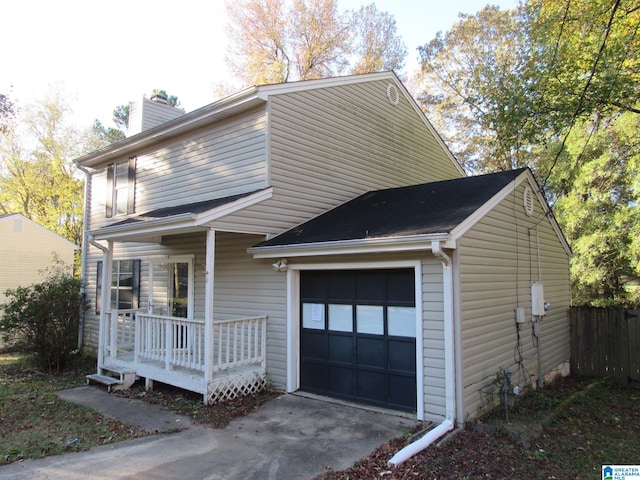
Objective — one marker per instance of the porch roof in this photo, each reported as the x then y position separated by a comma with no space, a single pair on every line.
178,219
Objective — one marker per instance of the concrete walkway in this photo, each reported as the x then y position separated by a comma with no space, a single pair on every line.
290,437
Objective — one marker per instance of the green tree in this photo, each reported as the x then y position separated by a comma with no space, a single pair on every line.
598,209
37,174
553,85
121,117
472,89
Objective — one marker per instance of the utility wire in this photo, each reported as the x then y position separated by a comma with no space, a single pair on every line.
584,91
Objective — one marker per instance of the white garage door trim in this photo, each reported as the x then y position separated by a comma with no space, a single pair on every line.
293,317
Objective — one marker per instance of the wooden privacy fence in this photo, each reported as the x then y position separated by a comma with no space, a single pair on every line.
605,342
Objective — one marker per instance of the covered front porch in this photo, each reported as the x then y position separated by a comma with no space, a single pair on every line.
183,324
221,361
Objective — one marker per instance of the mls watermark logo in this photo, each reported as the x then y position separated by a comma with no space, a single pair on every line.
621,472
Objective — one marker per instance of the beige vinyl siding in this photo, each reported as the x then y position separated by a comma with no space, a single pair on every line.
433,339
26,250
245,287
329,145
498,260
210,163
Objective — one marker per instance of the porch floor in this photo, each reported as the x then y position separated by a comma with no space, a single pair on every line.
225,384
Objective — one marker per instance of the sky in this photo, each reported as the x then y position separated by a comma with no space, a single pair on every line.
105,54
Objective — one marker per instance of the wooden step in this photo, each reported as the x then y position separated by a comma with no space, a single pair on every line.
115,377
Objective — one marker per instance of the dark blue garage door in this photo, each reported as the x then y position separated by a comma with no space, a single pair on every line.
358,336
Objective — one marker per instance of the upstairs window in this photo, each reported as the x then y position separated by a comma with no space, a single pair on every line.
121,181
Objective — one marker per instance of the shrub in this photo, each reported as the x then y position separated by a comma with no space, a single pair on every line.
45,318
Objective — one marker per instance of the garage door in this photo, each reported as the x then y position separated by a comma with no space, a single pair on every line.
358,336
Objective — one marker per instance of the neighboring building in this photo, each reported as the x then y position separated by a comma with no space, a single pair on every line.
26,251
319,231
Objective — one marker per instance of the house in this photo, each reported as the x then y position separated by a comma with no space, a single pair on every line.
320,232
26,251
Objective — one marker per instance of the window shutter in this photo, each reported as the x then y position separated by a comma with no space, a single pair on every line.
136,285
109,200
131,190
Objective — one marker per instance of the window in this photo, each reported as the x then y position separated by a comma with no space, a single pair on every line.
121,179
125,285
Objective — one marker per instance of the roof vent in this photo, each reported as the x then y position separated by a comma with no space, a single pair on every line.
527,198
392,94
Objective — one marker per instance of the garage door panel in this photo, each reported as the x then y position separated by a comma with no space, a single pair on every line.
402,390
313,344
402,356
341,380
372,386
341,348
314,376
371,352
341,286
371,286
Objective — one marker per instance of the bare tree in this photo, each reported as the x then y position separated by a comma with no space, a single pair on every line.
375,43
274,41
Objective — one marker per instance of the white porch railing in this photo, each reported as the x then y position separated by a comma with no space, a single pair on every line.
180,342
120,332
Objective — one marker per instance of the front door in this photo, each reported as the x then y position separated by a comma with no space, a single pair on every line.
171,287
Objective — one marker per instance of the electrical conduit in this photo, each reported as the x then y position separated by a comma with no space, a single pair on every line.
449,365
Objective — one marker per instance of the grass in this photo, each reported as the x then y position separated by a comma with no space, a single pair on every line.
36,423
575,426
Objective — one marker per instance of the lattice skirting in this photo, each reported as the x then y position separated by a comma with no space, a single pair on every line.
236,385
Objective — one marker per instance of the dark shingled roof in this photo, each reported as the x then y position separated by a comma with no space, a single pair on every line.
193,208
428,208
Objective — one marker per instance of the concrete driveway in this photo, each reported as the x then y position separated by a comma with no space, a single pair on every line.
290,437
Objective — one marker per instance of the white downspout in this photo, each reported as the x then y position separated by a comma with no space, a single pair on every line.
105,300
85,247
449,365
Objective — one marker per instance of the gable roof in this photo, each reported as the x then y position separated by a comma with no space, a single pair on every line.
239,102
426,212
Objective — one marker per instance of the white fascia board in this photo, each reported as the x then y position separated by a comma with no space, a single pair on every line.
158,227
232,207
264,91
182,223
476,216
344,247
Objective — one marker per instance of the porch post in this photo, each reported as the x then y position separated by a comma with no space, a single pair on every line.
107,272
105,298
208,305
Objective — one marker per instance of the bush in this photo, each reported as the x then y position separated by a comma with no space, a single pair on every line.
45,319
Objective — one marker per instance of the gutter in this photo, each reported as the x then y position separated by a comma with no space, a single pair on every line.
449,365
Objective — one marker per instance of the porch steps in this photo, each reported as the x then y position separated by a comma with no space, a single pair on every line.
114,377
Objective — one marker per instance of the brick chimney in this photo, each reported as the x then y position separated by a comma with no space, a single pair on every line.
149,113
